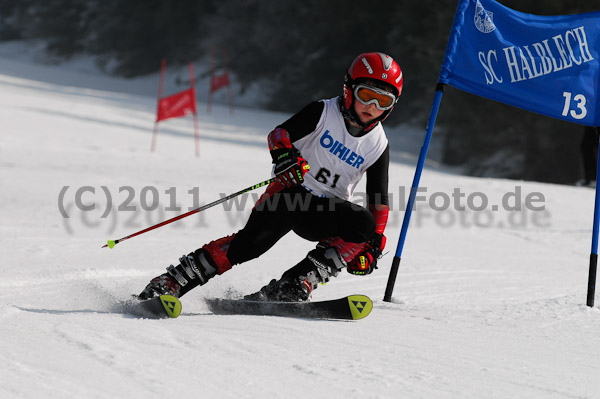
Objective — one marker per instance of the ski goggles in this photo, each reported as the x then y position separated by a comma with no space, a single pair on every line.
382,99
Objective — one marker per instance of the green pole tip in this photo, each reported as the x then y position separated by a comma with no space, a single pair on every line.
111,244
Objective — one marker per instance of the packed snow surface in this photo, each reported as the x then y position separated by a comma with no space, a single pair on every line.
489,301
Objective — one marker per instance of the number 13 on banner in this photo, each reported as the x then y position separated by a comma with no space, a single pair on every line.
579,101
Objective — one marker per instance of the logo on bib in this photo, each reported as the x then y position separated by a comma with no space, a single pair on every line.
339,150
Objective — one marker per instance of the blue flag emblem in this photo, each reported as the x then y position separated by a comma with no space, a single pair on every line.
483,19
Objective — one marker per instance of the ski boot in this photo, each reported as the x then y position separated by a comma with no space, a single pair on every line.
297,284
193,270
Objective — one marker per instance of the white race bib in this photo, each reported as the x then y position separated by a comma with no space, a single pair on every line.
337,159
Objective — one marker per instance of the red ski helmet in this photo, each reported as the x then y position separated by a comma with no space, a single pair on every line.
368,67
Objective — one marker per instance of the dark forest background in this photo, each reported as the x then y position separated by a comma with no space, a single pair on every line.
298,51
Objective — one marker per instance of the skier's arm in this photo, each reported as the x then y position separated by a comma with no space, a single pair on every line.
377,192
304,122
300,125
290,167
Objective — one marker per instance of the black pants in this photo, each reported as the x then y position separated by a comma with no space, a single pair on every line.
310,217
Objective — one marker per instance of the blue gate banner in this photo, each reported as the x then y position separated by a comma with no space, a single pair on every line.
545,64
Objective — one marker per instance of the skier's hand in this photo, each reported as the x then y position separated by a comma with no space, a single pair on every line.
366,261
290,167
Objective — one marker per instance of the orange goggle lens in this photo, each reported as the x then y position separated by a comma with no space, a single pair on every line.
369,95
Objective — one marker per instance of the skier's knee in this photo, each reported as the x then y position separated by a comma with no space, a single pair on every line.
361,230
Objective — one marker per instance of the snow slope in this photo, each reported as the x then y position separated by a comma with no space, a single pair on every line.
487,304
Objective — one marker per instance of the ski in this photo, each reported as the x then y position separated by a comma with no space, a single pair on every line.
161,307
353,307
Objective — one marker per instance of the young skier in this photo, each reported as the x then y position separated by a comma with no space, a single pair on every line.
319,155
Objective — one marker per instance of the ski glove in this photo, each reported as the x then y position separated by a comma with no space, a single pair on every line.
290,167
366,261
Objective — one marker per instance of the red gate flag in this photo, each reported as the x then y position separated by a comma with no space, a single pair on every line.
176,105
218,81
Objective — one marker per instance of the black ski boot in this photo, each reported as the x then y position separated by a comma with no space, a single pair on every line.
193,270
297,284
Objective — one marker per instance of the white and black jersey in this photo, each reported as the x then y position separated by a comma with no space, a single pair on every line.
338,159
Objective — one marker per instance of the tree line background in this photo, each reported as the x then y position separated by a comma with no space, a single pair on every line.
298,52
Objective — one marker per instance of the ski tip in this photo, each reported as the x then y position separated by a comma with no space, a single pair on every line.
111,244
360,306
171,304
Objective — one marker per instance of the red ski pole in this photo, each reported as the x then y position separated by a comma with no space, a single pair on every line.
112,243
